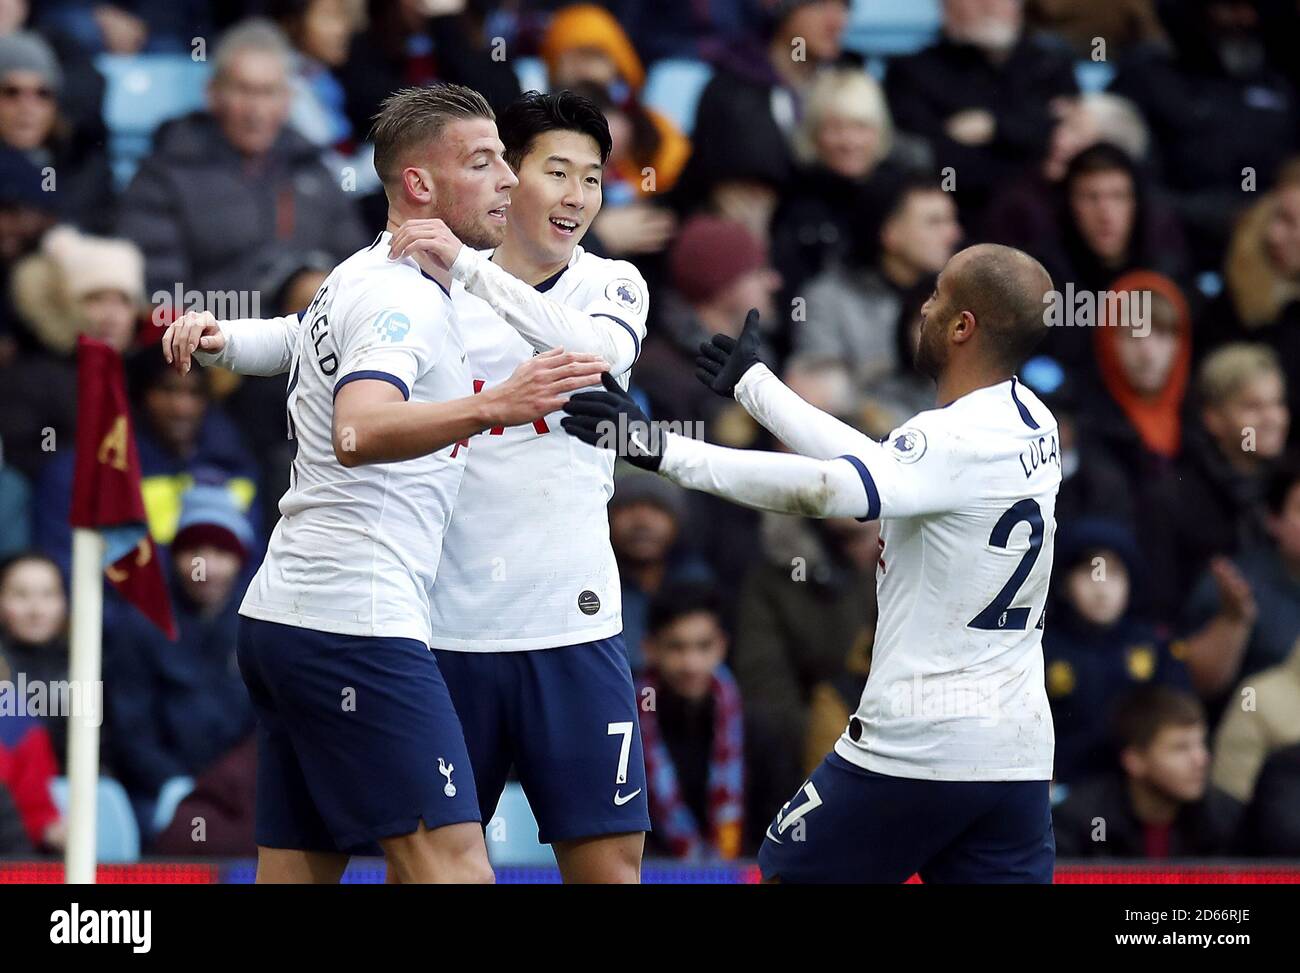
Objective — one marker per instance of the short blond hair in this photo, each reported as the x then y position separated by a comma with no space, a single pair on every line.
843,93
413,116
1226,371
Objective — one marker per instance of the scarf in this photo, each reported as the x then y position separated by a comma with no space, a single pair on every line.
674,822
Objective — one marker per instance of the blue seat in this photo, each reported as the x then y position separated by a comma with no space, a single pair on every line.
531,72
142,91
892,27
512,832
117,838
673,87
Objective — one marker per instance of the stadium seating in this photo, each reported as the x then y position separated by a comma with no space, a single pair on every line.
512,832
673,87
117,839
892,27
143,91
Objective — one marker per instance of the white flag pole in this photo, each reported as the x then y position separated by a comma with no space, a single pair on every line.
84,667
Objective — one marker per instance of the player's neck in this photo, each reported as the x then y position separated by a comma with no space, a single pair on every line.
954,383
395,220
516,260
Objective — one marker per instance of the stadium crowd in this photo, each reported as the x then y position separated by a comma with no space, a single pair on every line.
811,172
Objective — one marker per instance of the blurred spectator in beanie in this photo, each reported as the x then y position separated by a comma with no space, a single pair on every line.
585,45
416,42
1093,483
845,168
1143,351
174,708
1244,613
1262,718
1105,229
719,270
182,438
34,634
1097,648
1215,78
982,95
853,310
1212,502
226,189
1120,24
1160,804
747,115
1271,827
76,173
645,527
73,285
692,727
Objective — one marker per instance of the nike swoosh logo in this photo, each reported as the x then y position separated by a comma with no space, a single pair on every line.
620,800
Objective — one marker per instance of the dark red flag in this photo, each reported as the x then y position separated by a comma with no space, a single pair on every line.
106,489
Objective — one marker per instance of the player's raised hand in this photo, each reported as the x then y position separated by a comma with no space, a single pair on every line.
542,384
612,420
724,360
193,330
430,242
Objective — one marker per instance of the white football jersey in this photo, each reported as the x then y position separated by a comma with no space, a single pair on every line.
527,561
966,497
356,550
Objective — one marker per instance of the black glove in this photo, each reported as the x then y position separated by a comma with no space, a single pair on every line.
724,360
612,420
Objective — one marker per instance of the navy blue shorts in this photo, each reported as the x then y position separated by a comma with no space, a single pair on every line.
357,739
847,824
566,718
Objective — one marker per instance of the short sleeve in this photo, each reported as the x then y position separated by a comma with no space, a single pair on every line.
394,335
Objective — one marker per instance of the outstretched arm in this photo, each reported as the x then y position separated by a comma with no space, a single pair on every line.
731,366
249,346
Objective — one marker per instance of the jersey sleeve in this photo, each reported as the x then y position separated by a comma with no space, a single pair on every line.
923,467
393,334
609,320
256,346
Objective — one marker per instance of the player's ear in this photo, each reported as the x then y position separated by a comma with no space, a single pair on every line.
963,327
418,185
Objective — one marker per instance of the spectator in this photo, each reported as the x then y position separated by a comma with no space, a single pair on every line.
1215,79
805,606
853,311
26,213
746,117
15,509
1143,351
982,96
77,174
1212,501
1272,827
896,396
719,271
1263,719
846,168
645,521
174,709
73,285
1024,210
1092,480
1245,613
1097,649
1160,804
13,834
227,191
1120,24
411,42
34,635
1105,229
223,799
692,727
182,438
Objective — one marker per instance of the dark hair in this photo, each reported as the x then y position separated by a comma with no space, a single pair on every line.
563,111
1282,478
676,601
23,557
412,116
1143,713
